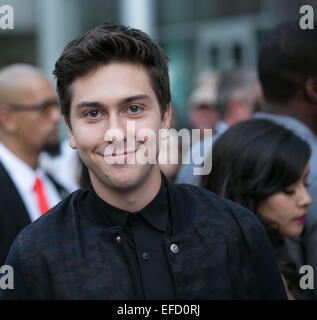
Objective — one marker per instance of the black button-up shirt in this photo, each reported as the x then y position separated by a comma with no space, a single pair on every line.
144,232
217,250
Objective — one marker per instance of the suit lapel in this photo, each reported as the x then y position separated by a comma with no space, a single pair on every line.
10,199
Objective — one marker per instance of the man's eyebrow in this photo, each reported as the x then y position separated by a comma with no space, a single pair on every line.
93,104
96,104
134,98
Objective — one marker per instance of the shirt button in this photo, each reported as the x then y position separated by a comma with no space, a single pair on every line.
118,239
174,248
146,256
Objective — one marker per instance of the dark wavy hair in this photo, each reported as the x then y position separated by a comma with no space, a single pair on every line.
252,160
111,43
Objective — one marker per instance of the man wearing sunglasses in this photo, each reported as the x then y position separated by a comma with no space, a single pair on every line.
29,116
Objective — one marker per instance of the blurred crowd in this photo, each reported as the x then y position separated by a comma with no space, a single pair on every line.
263,148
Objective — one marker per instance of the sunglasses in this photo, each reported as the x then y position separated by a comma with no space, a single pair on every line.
45,107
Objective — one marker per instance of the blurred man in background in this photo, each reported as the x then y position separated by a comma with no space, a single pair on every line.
203,113
237,95
288,74
29,116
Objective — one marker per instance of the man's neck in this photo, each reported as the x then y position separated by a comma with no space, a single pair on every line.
134,199
295,109
24,154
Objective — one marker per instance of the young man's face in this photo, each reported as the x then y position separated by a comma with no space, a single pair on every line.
109,98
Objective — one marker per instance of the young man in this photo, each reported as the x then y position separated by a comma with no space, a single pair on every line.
133,235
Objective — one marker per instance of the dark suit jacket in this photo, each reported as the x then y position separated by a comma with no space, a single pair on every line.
13,213
71,252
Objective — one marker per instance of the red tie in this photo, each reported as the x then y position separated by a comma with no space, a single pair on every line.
40,196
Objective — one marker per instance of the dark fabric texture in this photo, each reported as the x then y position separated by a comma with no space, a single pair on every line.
13,213
71,253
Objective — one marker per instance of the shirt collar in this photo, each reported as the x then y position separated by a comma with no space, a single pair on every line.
155,212
20,172
289,122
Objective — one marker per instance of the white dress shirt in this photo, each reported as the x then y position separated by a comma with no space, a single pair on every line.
23,176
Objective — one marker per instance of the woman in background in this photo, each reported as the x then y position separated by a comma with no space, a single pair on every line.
264,167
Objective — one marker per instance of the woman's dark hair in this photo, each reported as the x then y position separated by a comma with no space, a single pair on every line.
255,159
109,43
252,160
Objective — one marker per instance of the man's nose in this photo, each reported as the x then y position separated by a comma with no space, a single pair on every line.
115,129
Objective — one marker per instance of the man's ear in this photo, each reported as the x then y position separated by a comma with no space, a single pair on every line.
8,119
310,88
166,121
72,142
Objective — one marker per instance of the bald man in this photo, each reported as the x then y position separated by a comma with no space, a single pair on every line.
29,117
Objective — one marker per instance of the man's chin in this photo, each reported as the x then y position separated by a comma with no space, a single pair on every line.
123,182
126,177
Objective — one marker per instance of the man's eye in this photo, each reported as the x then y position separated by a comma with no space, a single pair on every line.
93,114
134,109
